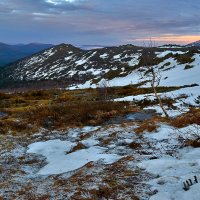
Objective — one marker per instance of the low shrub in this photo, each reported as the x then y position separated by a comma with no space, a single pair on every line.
192,117
193,143
148,126
184,58
134,145
188,67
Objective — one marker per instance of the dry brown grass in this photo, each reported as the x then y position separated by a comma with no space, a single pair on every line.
55,109
192,117
193,143
147,126
73,114
60,109
134,145
107,140
79,146
135,90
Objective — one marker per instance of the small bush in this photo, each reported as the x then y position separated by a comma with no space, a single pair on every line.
192,117
193,143
112,74
134,145
79,146
184,58
188,67
146,127
165,65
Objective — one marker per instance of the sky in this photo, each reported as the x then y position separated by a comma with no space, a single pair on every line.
99,22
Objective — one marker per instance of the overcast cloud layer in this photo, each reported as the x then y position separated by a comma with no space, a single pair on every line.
104,22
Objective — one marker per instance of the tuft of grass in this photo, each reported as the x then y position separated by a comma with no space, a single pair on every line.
148,126
184,58
134,145
192,117
79,146
193,143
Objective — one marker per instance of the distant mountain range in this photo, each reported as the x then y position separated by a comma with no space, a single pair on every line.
11,53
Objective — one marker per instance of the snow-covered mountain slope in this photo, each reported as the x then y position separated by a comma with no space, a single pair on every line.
118,66
197,44
177,68
71,63
172,73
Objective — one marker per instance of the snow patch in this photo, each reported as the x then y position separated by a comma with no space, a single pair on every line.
60,162
105,55
172,173
80,62
164,53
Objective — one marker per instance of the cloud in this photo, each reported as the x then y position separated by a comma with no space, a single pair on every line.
98,21
168,38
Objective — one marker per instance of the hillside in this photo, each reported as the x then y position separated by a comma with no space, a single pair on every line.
68,67
101,133
88,67
12,53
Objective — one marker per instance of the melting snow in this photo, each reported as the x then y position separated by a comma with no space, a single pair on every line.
60,162
172,173
81,62
117,56
105,55
135,60
68,58
49,52
179,76
164,53
170,46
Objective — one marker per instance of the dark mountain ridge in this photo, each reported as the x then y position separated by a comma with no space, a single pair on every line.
11,53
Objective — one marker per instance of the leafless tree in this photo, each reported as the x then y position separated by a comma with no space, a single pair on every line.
102,90
150,71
